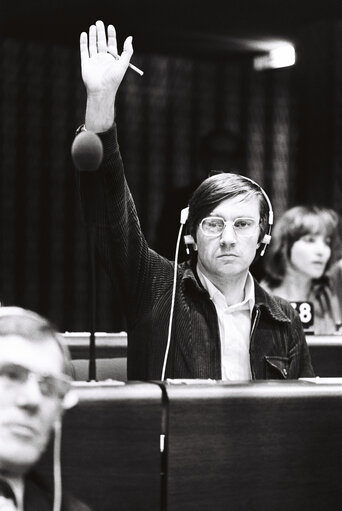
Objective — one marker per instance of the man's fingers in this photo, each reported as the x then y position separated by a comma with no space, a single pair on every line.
127,50
96,43
92,41
112,44
101,37
84,46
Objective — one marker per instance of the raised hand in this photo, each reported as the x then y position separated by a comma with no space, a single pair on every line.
102,72
102,67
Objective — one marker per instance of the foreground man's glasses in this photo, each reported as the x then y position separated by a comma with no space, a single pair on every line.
13,376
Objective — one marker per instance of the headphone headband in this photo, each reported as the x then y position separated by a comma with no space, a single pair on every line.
266,197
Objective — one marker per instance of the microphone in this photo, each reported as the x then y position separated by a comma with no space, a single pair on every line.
87,151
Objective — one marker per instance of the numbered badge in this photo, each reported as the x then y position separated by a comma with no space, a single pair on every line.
306,314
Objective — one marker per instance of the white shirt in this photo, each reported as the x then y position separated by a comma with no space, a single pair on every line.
234,325
17,485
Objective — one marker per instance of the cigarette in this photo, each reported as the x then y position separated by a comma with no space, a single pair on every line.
132,66
136,69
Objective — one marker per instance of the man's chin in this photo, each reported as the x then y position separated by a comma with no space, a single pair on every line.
18,459
229,265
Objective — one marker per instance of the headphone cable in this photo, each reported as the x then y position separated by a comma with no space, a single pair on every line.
172,302
57,475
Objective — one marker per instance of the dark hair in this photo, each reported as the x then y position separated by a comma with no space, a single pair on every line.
33,327
291,226
223,186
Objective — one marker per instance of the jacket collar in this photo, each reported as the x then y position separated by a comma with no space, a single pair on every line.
263,300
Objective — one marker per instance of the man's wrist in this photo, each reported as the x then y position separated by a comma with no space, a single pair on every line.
100,112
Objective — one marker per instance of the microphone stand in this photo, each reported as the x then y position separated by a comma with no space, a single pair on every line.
92,305
87,153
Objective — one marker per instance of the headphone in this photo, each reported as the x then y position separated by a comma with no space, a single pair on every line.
189,240
70,399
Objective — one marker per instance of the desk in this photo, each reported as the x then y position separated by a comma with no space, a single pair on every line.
111,355
259,446
108,345
262,446
326,353
111,446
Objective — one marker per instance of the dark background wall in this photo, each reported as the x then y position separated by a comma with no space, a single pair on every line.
164,120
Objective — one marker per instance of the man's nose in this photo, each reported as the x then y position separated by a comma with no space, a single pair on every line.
228,235
29,394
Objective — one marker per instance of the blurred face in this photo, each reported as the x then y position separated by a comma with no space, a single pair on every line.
27,415
310,254
229,254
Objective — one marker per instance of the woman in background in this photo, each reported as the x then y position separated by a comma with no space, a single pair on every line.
298,267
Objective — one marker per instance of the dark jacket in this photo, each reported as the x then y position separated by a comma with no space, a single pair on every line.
38,496
278,348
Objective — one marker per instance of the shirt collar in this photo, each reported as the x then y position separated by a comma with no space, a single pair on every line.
17,485
218,298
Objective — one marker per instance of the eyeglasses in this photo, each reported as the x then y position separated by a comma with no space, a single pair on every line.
215,225
13,376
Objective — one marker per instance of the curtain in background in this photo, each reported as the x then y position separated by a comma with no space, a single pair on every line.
164,121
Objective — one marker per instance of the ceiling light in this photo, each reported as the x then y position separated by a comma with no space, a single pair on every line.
282,56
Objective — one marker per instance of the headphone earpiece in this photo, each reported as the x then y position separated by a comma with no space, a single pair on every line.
70,400
266,240
189,241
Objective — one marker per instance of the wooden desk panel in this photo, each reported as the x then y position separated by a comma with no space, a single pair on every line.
108,345
255,447
106,368
326,355
111,447
326,352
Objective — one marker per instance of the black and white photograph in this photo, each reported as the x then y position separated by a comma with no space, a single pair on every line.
171,255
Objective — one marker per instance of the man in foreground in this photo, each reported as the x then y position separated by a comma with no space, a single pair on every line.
34,391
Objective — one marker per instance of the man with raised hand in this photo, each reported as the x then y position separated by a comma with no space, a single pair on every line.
206,317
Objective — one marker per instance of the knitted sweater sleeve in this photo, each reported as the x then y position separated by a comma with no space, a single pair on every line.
112,219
